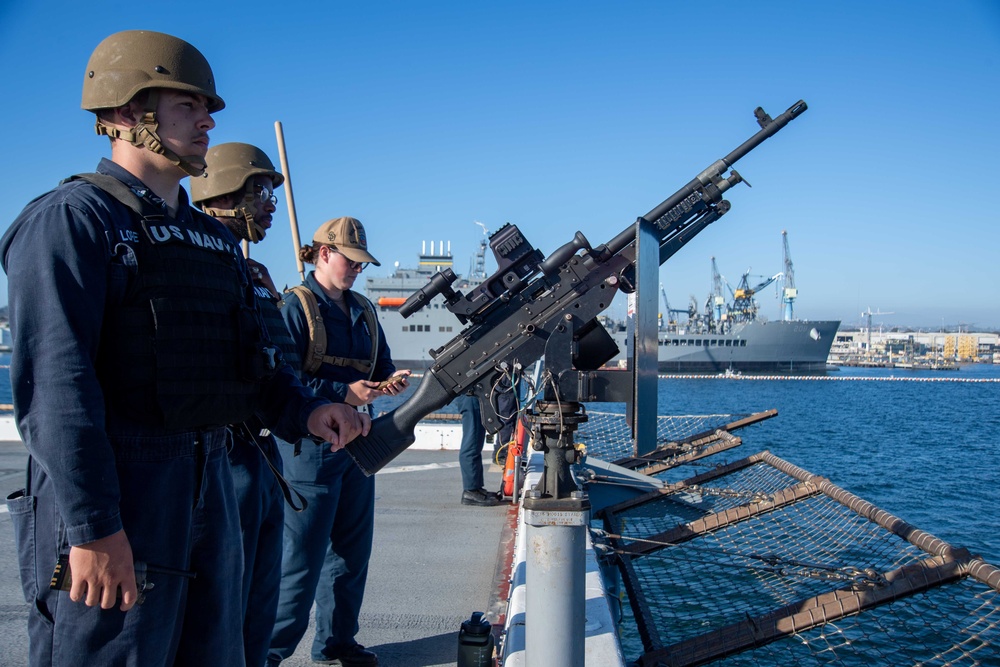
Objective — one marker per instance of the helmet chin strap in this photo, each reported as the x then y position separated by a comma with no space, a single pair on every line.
253,231
144,134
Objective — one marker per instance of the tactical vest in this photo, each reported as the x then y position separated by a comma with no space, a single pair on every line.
316,354
277,330
184,348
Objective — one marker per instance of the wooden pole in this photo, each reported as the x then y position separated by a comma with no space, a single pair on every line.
288,195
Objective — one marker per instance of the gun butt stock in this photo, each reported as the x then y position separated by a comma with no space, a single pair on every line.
391,434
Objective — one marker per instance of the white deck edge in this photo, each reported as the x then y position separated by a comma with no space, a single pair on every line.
8,429
429,435
602,648
438,436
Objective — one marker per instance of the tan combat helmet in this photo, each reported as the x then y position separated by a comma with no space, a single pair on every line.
132,61
230,168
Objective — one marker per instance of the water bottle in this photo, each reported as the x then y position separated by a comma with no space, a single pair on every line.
475,642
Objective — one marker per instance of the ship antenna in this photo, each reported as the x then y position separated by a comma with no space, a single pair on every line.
479,268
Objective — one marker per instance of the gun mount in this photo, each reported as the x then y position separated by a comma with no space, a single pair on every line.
532,308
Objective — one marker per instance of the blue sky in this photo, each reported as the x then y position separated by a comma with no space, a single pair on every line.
421,118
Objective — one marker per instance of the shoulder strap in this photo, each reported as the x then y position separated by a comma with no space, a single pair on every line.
316,354
371,321
118,190
317,330
121,193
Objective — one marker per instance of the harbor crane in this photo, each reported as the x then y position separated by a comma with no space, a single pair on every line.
788,293
718,298
868,344
670,319
744,308
479,261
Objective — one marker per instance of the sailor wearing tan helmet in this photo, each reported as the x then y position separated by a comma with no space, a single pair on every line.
238,191
138,341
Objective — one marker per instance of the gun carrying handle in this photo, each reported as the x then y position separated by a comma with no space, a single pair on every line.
550,265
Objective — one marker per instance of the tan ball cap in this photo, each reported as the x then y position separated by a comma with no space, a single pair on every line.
348,236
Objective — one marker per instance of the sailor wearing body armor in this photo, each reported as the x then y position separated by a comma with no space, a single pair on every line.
238,190
138,342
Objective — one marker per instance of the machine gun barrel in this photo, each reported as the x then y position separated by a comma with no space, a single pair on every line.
531,302
668,208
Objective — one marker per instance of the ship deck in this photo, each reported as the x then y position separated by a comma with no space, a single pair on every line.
435,562
717,553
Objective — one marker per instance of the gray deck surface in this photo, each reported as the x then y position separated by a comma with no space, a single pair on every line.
434,562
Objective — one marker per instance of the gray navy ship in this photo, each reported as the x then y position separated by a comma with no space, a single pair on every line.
731,336
759,347
727,336
410,340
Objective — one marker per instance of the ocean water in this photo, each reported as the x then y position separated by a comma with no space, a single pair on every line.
926,451
922,449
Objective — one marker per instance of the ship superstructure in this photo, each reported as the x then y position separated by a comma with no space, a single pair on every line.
410,340
733,336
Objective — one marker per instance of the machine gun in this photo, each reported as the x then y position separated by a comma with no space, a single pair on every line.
534,306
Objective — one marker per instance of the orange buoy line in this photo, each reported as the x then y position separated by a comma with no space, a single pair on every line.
391,301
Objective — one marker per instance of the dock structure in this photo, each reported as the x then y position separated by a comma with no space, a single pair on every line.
869,347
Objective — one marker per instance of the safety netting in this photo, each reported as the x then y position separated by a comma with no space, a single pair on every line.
607,435
755,561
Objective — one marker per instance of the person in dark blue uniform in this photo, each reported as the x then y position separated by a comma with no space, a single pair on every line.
238,191
137,340
328,546
470,455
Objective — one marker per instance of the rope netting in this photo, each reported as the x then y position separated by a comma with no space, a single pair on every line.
758,562
607,435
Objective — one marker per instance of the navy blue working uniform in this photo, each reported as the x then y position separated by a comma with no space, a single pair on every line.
130,357
470,455
261,501
327,547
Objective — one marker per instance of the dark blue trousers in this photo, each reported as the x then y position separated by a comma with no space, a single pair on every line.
179,511
261,506
326,551
470,456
